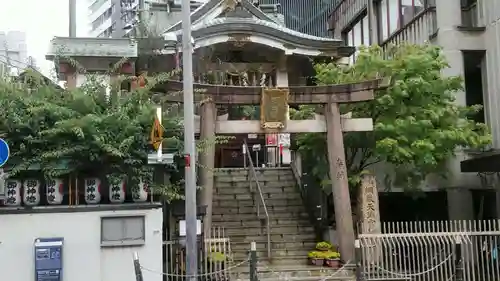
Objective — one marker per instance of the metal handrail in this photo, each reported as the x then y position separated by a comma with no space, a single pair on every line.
254,175
314,208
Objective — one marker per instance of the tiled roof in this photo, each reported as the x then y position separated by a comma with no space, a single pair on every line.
243,21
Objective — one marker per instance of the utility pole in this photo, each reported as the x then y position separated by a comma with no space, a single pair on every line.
189,143
72,19
141,25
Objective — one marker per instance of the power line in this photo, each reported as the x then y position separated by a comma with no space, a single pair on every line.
10,60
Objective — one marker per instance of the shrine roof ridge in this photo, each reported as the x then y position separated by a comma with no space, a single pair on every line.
267,28
289,40
252,21
210,5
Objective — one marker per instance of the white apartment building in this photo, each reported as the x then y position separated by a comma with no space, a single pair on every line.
469,33
100,17
111,18
13,51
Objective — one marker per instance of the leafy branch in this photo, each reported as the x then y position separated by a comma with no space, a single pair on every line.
94,129
418,126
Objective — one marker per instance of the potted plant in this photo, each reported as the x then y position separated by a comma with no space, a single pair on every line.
323,246
332,259
216,266
316,258
216,257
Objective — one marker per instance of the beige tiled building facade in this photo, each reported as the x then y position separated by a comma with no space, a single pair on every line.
469,33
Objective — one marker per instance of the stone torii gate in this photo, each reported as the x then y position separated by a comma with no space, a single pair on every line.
274,109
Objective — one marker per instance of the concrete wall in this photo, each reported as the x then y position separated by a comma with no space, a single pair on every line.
83,257
454,41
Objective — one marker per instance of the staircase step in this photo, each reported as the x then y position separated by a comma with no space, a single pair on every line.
302,269
274,222
275,238
253,210
299,214
252,202
297,272
249,196
262,178
263,184
235,209
235,246
271,187
245,171
282,229
262,254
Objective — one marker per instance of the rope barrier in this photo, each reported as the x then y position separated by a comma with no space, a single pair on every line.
197,275
323,278
414,274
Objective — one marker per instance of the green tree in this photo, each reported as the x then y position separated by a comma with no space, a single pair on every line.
63,132
418,125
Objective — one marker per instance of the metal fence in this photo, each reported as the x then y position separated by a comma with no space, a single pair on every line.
214,257
432,250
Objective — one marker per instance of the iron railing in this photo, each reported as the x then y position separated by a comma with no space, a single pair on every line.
312,195
417,31
255,179
433,250
214,257
308,17
345,12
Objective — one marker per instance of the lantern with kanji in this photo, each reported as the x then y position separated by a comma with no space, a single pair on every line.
31,192
117,192
54,191
92,190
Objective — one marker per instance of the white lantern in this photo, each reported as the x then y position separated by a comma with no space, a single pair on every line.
31,192
140,194
55,191
117,192
92,190
13,192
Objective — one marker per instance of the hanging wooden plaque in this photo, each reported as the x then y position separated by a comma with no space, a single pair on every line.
274,108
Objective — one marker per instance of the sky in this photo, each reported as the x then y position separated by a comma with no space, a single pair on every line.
41,21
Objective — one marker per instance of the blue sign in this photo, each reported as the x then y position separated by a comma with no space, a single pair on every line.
4,152
48,259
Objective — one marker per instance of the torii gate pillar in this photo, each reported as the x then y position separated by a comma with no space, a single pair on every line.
340,185
207,159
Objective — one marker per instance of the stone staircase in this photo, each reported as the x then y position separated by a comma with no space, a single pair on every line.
292,235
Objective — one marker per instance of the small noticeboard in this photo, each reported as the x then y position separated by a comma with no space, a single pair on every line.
156,134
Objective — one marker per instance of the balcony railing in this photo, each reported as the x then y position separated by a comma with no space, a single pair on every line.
345,12
472,16
420,29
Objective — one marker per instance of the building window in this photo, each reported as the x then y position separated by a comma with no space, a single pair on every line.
395,14
122,231
410,9
102,18
366,31
358,35
96,5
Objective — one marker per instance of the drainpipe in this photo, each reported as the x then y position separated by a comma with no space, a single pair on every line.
372,18
72,18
